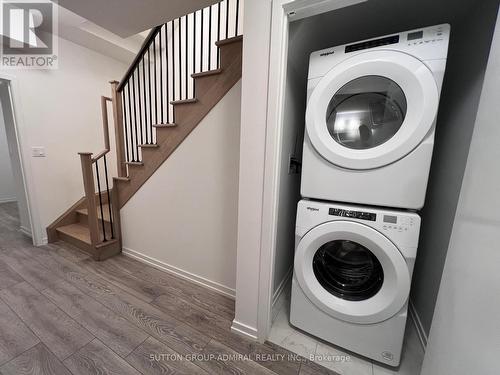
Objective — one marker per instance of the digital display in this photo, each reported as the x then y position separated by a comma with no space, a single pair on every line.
372,43
353,214
390,219
415,35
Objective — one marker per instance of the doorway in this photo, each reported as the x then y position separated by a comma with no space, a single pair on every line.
13,194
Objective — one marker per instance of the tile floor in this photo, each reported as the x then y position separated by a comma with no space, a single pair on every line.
285,335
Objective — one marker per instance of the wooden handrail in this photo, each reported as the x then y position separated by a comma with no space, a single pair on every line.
145,45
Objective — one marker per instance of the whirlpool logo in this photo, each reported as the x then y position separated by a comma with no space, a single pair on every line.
327,53
312,208
29,30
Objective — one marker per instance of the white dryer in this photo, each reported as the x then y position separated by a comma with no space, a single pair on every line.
352,276
370,118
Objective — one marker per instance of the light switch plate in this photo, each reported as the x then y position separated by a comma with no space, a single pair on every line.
38,152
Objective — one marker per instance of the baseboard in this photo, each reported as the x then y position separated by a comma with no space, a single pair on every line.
244,330
8,200
25,231
422,335
219,288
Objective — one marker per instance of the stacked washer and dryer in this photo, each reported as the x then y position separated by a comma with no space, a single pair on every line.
370,121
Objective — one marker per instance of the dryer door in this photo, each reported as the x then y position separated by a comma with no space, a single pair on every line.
352,272
372,109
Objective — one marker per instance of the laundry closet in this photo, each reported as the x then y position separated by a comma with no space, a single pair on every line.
467,28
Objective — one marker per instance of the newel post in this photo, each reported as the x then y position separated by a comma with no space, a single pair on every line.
88,184
118,122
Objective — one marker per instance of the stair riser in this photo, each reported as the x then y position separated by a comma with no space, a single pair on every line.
76,242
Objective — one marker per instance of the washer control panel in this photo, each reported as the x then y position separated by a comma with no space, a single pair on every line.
401,227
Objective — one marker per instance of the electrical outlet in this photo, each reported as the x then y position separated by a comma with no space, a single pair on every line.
38,152
294,165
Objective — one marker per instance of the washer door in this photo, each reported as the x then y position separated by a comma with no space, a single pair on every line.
352,272
372,109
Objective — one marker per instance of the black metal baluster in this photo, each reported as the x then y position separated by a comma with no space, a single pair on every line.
109,199
161,79
201,41
237,16
100,199
179,48
167,75
125,124
156,82
218,34
173,62
194,50
209,37
130,121
140,103
135,118
227,19
150,98
144,97
186,56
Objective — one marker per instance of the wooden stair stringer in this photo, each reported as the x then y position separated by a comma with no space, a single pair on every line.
210,89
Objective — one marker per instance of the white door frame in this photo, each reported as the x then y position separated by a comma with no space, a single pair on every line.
281,9
37,234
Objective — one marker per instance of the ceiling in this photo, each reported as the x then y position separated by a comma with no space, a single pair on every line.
85,33
129,17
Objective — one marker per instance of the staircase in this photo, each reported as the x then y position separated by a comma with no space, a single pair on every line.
184,68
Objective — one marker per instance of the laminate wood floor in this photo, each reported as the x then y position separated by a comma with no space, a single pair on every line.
62,313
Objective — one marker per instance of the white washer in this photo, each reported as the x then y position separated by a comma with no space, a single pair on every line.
370,118
352,276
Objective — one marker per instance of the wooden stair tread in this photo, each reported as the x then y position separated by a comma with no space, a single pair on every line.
207,73
147,145
235,39
167,125
105,209
136,163
81,233
123,179
184,101
78,231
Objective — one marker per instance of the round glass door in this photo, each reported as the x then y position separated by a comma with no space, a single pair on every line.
348,270
352,272
371,109
366,112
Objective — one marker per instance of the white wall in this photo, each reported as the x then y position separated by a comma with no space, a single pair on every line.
7,186
184,218
465,333
457,113
60,110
